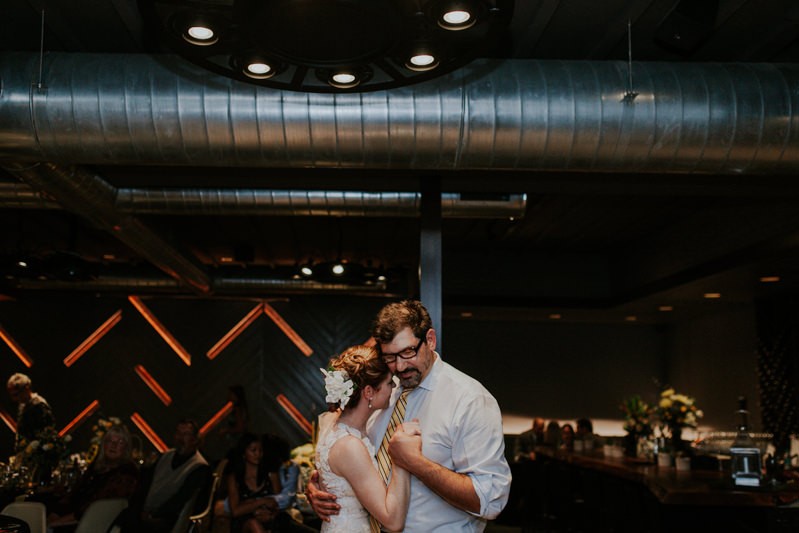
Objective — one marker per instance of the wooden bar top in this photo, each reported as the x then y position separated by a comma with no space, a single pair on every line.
672,487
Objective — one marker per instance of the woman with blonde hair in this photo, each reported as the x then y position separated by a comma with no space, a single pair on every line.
357,382
112,474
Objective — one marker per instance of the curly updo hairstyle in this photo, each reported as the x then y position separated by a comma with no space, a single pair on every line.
363,366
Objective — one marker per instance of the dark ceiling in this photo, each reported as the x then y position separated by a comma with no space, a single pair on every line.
591,245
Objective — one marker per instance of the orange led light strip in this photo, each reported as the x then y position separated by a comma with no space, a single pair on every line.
10,422
92,339
86,413
16,348
214,420
150,381
287,330
157,326
295,414
151,435
237,330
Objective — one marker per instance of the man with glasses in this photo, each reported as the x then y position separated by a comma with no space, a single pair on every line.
460,476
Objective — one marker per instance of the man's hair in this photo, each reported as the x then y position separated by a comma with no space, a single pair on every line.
584,423
195,427
395,317
18,381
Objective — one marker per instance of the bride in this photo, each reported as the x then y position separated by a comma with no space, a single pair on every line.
357,382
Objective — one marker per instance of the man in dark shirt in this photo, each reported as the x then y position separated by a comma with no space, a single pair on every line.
175,479
34,414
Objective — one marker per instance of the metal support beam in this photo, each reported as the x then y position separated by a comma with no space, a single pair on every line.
430,252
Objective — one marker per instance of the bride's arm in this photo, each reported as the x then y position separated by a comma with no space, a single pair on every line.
350,459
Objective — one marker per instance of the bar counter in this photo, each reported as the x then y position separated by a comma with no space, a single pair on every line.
564,491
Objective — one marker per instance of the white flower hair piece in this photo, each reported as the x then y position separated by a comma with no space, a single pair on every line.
339,386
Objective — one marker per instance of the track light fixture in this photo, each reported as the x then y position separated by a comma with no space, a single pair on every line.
330,45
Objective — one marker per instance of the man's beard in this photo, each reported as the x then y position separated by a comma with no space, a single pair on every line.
412,381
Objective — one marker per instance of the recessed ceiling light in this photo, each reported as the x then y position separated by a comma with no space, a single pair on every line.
338,269
343,80
555,316
631,318
666,308
381,277
467,314
306,270
23,264
225,259
200,35
259,70
712,295
456,20
769,279
422,61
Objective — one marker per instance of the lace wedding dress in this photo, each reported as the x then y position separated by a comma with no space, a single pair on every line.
352,517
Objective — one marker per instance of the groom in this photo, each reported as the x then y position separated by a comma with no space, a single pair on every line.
460,478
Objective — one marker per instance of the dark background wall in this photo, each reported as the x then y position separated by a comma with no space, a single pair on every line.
552,369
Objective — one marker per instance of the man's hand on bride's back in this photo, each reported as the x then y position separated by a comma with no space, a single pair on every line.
323,503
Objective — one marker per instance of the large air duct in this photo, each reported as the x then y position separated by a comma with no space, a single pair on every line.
492,114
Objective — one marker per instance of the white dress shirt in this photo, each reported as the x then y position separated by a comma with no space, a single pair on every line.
462,431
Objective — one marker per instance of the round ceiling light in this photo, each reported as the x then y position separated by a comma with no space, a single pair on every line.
456,20
200,35
259,70
343,80
421,62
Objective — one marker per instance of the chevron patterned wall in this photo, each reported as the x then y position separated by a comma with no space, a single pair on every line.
153,361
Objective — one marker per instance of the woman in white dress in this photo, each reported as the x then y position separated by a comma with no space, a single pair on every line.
358,382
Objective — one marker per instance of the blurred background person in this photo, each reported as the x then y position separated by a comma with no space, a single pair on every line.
567,437
33,412
113,474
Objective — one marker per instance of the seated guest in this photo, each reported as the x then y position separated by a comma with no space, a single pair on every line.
256,499
552,435
249,486
567,437
174,480
524,448
113,474
585,432
34,414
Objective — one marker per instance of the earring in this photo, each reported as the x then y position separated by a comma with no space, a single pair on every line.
370,403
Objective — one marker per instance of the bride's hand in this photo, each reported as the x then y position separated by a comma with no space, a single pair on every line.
412,427
405,446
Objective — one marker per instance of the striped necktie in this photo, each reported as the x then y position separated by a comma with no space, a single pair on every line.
383,459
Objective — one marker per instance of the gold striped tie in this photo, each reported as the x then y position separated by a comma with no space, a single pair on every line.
383,459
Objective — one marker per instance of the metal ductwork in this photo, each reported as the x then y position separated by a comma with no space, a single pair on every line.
265,202
491,114
260,202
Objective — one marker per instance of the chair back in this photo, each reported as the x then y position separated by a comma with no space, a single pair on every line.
200,522
33,513
100,514
183,522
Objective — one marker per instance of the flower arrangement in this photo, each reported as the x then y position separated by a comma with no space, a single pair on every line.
676,411
303,456
339,386
637,416
43,453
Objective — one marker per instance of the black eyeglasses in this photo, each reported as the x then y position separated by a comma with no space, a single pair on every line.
407,353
